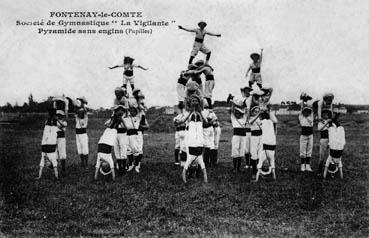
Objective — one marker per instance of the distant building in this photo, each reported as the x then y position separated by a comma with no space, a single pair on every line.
169,110
362,112
342,110
285,109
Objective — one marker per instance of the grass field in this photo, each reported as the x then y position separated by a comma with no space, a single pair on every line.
157,203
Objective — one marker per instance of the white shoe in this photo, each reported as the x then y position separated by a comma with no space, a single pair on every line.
246,166
130,168
177,163
308,168
302,168
137,169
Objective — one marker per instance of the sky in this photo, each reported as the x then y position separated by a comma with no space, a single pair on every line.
309,46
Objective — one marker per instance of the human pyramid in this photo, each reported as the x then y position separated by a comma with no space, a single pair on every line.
254,123
123,135
198,130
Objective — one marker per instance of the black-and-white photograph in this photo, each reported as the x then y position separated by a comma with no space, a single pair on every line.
164,118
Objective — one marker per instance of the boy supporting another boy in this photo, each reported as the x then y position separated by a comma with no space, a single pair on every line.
306,119
323,126
268,139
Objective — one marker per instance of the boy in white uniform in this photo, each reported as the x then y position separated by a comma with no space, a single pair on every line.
323,126
179,136
306,119
337,143
132,123
208,134
62,151
199,41
238,120
194,137
181,87
269,141
128,66
49,144
105,147
81,136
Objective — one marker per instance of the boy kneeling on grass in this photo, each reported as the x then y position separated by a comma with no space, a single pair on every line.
105,147
49,144
337,142
268,139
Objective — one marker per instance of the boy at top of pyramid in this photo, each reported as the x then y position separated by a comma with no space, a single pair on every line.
199,41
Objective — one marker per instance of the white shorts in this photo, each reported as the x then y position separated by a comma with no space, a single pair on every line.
267,154
217,133
140,142
51,157
120,147
209,137
191,158
306,146
130,79
107,157
180,140
61,148
209,86
197,46
238,146
82,144
133,145
248,143
256,147
181,92
255,77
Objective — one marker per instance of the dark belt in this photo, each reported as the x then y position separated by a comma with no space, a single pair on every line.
195,150
256,133
324,134
180,128
210,77
336,153
48,148
199,40
60,134
206,125
81,130
121,130
104,148
239,131
131,132
256,70
248,130
268,147
306,130
128,73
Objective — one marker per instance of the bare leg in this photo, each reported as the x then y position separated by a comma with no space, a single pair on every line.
40,172
341,173
184,175
56,172
205,175
325,172
96,173
274,176
113,174
257,176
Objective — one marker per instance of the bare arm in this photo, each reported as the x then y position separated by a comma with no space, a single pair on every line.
212,34
185,29
248,70
261,56
117,66
140,67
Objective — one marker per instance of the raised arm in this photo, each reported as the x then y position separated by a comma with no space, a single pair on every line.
185,29
261,56
273,117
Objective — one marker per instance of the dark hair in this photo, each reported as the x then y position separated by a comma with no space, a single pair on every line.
128,60
264,115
